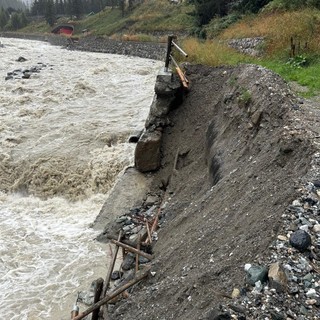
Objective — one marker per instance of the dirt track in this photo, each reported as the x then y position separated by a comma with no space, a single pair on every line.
236,154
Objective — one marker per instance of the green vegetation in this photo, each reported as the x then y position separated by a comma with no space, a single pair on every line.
291,28
12,20
152,16
307,77
244,98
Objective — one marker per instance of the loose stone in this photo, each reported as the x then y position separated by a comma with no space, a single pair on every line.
300,240
255,274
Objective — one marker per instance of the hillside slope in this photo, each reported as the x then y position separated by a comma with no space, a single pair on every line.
237,152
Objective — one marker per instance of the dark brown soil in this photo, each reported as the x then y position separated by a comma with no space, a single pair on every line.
234,155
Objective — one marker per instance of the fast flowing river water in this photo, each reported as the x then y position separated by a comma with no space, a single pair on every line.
63,142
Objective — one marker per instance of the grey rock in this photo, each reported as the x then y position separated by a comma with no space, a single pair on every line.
311,293
128,262
300,240
250,46
115,275
143,260
216,314
86,297
151,200
276,315
121,219
21,59
147,153
166,84
255,274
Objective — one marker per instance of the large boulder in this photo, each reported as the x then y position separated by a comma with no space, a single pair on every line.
147,153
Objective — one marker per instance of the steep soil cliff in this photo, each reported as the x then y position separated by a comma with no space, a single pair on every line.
235,155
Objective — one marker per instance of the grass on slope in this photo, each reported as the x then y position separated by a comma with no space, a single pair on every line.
148,17
279,29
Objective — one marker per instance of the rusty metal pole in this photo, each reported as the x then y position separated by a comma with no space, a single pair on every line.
169,47
75,310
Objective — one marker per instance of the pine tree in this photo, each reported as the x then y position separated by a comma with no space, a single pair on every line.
205,10
76,8
50,14
23,19
15,21
4,18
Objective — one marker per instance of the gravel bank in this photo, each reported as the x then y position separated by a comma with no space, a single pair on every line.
240,181
147,50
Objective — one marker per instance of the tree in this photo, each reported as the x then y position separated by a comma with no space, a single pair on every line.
122,7
38,7
23,19
4,18
205,10
59,7
50,14
251,5
76,8
15,21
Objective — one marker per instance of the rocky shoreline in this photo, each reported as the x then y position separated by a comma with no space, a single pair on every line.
148,50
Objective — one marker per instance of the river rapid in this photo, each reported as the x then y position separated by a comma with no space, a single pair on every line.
63,143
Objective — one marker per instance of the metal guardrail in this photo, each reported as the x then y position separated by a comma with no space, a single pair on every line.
169,58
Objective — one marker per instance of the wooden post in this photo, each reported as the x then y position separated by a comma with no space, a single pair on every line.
293,48
169,47
143,233
149,239
114,293
98,286
111,267
133,250
137,256
182,78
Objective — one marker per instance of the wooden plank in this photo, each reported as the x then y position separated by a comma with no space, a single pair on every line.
133,250
111,267
139,276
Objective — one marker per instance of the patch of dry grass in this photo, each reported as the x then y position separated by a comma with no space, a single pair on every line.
213,53
279,27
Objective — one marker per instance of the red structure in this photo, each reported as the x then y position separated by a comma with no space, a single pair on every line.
66,29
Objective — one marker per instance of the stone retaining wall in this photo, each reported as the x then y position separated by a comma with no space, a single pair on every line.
250,46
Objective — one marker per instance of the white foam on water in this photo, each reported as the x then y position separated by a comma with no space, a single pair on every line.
47,251
63,142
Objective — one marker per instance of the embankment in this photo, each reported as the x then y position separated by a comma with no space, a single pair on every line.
235,154
148,50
